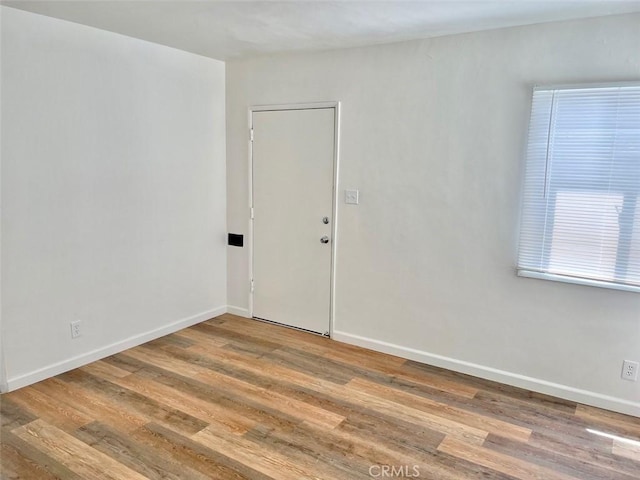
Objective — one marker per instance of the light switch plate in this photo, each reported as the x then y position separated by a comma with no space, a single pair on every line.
351,197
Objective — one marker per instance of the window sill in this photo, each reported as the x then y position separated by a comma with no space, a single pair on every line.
577,281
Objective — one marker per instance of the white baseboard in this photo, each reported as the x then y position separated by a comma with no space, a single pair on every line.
99,353
241,312
533,384
3,371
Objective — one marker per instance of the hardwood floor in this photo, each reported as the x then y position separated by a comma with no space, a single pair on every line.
233,398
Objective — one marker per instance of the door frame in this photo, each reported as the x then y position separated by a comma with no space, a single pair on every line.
334,228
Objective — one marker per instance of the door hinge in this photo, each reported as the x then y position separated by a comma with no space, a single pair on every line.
251,134
252,286
251,213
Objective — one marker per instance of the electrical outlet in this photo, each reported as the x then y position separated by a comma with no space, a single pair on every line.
630,370
75,329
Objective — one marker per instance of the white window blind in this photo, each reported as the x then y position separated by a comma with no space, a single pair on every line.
581,208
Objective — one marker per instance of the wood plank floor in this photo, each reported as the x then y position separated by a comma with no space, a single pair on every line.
233,398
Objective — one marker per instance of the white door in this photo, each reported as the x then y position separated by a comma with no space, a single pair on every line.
293,161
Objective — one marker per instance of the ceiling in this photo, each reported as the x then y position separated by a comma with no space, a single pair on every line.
230,29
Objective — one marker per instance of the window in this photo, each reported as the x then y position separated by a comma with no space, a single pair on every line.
581,209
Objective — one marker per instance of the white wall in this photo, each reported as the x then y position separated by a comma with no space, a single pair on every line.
433,135
113,192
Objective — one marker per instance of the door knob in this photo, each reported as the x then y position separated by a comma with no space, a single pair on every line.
324,239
